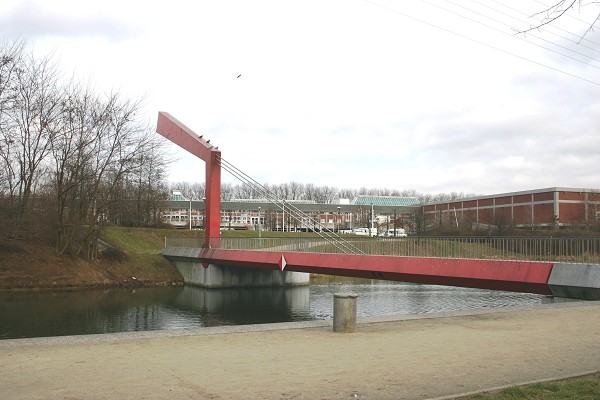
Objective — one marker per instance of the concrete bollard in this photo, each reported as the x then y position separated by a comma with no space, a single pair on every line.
344,312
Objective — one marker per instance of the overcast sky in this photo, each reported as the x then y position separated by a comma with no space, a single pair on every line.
421,95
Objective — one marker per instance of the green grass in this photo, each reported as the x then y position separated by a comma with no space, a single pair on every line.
264,234
135,240
140,242
583,388
143,247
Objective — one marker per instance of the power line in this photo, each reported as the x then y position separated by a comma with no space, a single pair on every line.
546,27
520,38
587,23
481,43
511,35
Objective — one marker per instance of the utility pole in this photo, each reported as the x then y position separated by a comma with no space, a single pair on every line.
372,218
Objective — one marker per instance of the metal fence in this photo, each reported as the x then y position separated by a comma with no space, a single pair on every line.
571,250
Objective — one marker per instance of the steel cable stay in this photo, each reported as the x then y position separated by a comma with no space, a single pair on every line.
298,215
294,212
304,219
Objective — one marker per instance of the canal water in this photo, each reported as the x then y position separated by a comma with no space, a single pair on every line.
57,313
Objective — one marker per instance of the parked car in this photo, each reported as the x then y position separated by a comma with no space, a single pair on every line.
398,232
365,231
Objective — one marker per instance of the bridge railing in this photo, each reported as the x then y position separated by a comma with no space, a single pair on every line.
571,250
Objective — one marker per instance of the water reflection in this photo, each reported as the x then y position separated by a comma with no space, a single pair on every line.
45,313
397,298
215,307
56,313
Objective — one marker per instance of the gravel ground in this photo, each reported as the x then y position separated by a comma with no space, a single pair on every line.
411,357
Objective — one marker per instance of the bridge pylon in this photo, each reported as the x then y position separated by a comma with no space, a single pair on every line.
172,129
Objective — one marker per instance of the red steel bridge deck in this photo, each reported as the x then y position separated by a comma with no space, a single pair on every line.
577,281
516,276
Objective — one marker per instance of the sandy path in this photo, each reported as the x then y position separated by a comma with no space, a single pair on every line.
411,359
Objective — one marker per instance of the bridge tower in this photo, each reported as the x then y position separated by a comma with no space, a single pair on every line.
172,129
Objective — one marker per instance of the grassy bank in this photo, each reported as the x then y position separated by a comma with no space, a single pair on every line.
133,259
582,388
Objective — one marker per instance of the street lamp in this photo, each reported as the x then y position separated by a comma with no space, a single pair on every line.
372,217
190,213
259,226
351,218
387,224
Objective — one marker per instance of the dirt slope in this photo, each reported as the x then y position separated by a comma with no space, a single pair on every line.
27,265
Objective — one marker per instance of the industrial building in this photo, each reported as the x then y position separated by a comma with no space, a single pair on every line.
552,207
341,215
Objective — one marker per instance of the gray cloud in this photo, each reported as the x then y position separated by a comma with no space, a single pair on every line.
31,21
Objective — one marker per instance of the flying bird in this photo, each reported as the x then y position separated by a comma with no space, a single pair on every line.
239,75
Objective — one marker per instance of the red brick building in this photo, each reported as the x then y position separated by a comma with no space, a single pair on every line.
533,208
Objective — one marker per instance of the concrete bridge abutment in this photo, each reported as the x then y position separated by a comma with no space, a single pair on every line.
575,281
220,276
195,273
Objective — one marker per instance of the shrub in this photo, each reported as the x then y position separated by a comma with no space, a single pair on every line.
113,255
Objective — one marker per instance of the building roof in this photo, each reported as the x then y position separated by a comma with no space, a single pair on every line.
176,195
523,192
363,200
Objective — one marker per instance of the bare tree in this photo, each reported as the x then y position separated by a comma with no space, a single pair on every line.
90,156
245,191
11,59
347,193
558,10
227,191
197,190
120,141
101,148
310,192
329,193
193,190
418,223
296,191
282,190
71,155
29,109
137,199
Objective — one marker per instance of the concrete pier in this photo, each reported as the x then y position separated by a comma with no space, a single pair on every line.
187,261
217,276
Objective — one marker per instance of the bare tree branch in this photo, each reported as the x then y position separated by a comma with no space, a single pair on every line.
557,11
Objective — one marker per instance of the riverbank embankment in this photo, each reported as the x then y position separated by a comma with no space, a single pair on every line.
417,358
133,259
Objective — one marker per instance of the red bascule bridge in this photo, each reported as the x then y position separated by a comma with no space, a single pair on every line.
213,265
